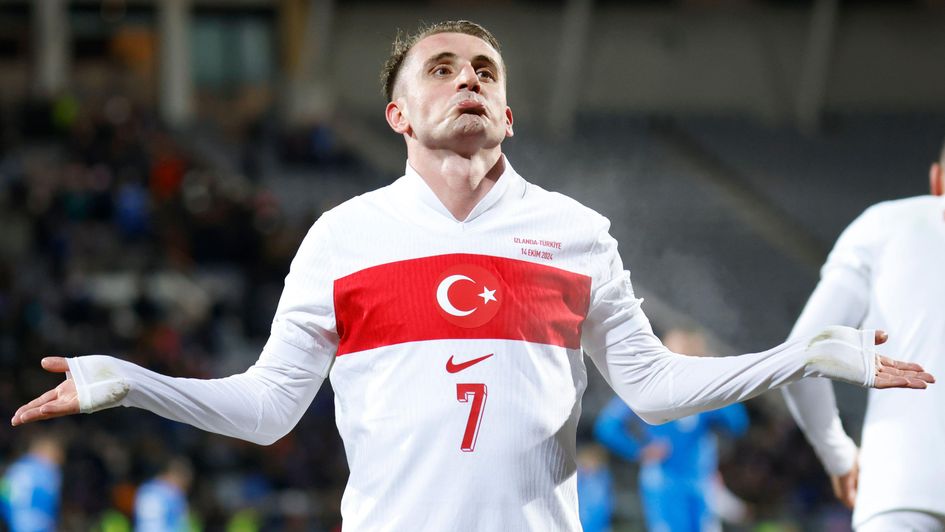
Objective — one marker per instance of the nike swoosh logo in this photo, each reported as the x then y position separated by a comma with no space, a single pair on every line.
455,368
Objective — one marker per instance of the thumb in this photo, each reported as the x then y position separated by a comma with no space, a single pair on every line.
55,364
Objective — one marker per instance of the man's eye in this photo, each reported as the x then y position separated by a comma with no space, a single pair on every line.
486,74
441,71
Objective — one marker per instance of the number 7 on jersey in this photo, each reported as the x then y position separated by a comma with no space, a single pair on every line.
478,393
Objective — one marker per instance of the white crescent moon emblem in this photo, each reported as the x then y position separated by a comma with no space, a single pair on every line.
443,299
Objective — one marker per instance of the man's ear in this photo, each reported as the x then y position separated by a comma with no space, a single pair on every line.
937,179
396,118
508,122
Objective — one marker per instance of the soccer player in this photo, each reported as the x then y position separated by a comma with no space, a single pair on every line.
886,270
594,488
679,459
30,487
161,503
450,310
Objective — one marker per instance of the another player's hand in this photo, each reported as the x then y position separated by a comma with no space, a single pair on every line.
62,400
892,373
844,486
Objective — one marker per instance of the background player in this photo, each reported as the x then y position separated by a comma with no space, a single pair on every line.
595,486
30,489
436,385
886,270
161,503
678,460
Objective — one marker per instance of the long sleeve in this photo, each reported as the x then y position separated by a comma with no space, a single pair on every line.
610,429
841,297
811,401
660,385
260,405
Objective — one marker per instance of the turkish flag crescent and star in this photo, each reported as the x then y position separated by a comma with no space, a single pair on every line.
460,296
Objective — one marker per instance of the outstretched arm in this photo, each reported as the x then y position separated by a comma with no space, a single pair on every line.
660,385
260,405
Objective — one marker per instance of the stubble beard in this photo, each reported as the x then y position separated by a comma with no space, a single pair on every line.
468,124
464,134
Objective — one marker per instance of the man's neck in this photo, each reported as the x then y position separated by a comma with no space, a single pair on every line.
459,182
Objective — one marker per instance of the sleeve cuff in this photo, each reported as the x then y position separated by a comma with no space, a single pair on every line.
98,381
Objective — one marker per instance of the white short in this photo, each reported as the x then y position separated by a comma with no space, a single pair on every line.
905,521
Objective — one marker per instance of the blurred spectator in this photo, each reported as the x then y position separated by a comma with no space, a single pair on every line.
115,232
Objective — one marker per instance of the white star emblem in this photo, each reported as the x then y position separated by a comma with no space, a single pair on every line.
487,295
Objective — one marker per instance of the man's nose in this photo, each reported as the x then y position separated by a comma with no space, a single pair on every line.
467,79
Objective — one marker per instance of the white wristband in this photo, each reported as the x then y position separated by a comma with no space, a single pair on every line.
844,354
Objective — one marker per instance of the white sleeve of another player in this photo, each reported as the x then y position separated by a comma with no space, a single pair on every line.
660,385
840,298
811,401
260,405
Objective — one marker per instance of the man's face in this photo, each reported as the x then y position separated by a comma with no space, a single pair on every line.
450,94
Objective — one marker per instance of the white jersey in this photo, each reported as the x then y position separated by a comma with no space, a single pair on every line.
455,352
459,369
887,271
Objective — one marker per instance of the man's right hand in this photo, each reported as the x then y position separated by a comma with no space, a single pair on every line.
844,486
63,400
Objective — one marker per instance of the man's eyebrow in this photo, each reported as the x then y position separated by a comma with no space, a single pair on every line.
486,59
439,57
480,59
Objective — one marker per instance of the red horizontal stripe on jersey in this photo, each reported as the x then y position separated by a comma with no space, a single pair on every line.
397,302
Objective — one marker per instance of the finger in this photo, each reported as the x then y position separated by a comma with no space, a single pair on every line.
55,364
898,368
839,485
850,492
60,407
35,403
900,364
885,380
927,377
902,369
855,488
880,337
849,498
38,414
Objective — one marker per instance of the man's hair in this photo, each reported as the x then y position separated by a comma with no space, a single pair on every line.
404,42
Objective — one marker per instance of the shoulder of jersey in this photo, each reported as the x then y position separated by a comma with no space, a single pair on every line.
360,205
898,210
563,203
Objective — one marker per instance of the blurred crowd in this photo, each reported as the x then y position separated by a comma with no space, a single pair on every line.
122,237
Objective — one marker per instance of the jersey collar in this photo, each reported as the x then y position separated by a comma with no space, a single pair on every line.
418,189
